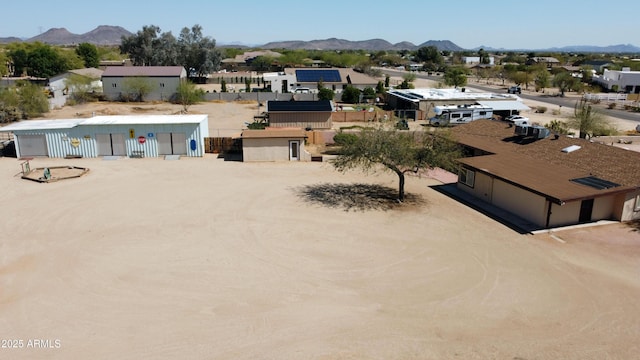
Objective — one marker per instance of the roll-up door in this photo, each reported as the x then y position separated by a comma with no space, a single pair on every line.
32,145
172,143
111,144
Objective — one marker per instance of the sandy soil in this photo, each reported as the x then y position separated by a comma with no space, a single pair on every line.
206,259
202,258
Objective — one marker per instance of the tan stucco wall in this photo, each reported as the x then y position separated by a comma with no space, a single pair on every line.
533,208
270,150
567,214
603,208
482,187
520,202
628,207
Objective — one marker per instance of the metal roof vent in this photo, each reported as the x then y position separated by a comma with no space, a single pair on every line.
571,148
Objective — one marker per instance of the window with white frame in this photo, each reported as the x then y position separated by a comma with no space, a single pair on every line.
467,177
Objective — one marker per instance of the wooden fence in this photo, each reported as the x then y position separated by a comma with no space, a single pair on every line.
222,145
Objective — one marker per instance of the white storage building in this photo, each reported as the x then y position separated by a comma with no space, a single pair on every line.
128,135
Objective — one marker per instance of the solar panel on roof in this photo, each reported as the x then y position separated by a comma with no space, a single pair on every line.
317,75
320,105
595,182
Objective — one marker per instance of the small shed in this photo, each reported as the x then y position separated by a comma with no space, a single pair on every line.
300,114
128,135
274,145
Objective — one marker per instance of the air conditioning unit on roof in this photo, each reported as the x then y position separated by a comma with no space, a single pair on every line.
521,130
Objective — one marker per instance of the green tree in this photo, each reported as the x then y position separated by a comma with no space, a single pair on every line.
32,100
223,85
4,59
262,63
519,77
455,76
79,88
368,93
558,127
484,56
588,120
407,81
542,79
70,59
10,105
198,53
136,88
431,58
380,87
351,95
193,51
564,82
89,54
20,60
140,46
397,151
326,94
188,94
43,61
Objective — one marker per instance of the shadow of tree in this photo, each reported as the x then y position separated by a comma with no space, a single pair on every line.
357,197
634,225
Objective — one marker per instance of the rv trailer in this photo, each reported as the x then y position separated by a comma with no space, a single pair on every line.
459,114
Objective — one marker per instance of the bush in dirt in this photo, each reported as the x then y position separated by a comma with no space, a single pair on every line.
343,138
611,105
541,109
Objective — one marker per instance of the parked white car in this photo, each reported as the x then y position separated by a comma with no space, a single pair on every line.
517,120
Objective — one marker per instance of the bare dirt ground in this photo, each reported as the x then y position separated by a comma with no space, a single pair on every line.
206,259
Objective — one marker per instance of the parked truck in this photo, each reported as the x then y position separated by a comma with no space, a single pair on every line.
459,114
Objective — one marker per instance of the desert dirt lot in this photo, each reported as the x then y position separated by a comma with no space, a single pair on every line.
203,258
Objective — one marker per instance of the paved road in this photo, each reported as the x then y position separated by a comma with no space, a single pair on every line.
553,100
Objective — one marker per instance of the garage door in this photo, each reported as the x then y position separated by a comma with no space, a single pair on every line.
172,143
111,144
32,145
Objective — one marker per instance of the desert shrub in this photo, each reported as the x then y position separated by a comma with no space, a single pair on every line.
611,105
10,114
558,127
607,130
556,112
343,138
541,109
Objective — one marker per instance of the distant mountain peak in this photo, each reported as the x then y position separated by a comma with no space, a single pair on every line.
101,35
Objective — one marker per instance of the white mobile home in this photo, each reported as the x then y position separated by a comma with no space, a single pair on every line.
133,136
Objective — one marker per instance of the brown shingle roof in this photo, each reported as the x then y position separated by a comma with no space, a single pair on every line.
541,165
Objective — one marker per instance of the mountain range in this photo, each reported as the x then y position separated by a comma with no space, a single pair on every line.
102,35
111,35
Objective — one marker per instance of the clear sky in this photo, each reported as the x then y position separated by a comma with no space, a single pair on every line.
513,24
